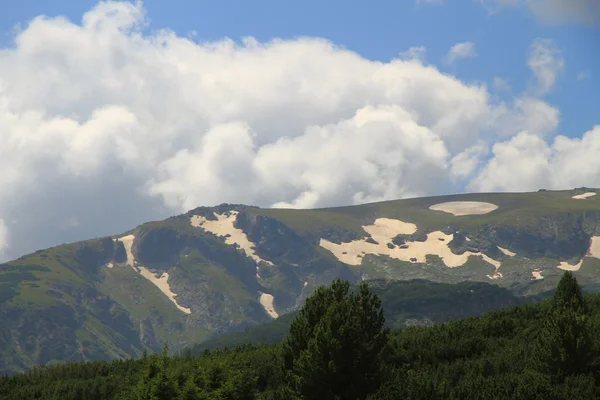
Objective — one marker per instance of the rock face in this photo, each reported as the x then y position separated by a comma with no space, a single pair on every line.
220,269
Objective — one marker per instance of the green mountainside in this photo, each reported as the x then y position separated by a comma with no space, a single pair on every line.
406,304
339,348
216,270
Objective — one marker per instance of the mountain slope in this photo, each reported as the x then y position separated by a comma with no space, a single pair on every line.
504,354
219,269
405,303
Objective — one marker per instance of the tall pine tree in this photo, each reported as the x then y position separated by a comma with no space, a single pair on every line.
334,346
155,382
563,348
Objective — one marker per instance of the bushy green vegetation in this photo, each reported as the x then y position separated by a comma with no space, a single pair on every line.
339,348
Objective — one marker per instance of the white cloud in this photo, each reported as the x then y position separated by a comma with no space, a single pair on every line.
460,51
546,62
464,164
414,53
501,84
519,164
529,114
526,162
554,11
103,127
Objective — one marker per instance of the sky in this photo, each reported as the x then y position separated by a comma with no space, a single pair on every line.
117,113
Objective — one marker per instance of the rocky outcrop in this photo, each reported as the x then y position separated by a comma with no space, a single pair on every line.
562,236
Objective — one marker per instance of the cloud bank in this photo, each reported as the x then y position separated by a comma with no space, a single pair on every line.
103,126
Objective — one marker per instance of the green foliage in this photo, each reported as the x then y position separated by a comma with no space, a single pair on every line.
563,348
490,357
568,295
333,350
155,382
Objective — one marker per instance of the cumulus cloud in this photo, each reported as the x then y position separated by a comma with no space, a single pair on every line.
414,53
104,126
546,62
527,161
465,163
460,51
518,165
530,114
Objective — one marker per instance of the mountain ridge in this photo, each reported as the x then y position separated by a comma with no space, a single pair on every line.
220,269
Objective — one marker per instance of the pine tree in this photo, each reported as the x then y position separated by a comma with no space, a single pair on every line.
155,382
564,346
334,346
189,391
568,295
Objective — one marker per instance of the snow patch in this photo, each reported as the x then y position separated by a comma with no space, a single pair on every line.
266,300
537,274
384,230
161,283
565,266
224,227
593,251
495,275
584,196
459,208
128,244
507,252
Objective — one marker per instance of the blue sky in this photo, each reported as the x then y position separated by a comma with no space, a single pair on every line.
380,30
103,127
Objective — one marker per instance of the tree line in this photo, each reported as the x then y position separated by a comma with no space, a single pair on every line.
339,348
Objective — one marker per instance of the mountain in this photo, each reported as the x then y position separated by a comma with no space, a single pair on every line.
220,269
405,303
521,352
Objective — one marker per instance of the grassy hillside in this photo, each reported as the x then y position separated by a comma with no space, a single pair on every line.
504,354
87,296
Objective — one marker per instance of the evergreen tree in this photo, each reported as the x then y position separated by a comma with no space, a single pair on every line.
155,382
190,390
568,295
564,346
334,346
